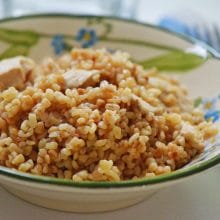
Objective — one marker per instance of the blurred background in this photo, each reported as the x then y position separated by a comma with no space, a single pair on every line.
197,18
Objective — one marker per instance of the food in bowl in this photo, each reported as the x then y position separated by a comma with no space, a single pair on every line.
92,115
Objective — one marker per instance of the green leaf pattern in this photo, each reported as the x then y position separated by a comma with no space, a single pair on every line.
19,37
21,41
15,50
174,61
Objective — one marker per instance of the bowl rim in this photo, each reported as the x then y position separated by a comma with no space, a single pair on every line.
178,174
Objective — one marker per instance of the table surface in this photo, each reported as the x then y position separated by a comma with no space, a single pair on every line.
196,198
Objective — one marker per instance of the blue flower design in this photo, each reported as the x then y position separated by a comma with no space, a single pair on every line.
210,108
87,37
58,44
209,104
214,115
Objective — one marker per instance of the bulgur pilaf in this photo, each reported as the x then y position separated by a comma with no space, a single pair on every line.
92,115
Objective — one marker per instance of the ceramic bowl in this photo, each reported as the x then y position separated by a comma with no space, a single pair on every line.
195,64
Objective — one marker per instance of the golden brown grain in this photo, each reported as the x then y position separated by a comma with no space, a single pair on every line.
131,123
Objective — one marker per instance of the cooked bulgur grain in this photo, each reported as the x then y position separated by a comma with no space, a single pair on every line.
92,115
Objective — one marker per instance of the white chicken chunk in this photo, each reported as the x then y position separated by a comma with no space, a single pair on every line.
146,107
75,78
14,71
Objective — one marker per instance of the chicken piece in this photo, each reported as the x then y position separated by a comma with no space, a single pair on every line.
15,71
77,77
188,129
146,107
186,105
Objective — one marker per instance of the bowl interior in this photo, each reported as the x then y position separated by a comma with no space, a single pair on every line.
192,62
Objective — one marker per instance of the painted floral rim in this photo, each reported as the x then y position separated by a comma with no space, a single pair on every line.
184,172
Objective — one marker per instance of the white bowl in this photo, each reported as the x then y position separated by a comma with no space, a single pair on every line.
194,63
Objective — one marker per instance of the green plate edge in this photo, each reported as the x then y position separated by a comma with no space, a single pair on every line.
181,173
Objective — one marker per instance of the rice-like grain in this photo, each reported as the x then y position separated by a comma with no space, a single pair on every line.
124,123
